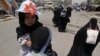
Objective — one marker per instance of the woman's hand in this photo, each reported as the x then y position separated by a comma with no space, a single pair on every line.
28,43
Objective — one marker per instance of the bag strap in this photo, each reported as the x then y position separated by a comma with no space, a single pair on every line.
46,43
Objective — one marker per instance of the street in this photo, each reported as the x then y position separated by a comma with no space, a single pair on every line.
61,42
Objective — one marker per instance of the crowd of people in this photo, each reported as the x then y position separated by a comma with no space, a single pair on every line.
35,38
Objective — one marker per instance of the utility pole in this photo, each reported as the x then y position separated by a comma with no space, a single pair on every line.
67,2
89,4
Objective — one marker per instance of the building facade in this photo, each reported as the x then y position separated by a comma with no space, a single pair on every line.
64,2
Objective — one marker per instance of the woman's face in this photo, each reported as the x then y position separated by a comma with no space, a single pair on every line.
29,19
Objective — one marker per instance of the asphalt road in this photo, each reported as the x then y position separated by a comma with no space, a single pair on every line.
61,42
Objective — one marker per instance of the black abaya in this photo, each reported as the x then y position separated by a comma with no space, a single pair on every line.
80,47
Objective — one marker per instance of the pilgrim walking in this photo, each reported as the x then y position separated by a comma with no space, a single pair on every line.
64,19
86,39
33,37
57,12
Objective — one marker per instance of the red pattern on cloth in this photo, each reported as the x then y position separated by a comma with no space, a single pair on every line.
30,8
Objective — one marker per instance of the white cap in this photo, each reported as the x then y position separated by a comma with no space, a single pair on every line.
27,7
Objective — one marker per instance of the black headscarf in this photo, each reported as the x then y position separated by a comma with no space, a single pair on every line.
69,11
91,24
36,42
29,29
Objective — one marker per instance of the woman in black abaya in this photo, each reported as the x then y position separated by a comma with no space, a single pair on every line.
63,21
28,35
80,45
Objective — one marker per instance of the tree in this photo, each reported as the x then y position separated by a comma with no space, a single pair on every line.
97,2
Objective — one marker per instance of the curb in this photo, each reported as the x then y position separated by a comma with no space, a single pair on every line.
91,15
7,19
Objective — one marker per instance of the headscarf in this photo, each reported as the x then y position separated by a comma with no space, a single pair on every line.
28,29
91,24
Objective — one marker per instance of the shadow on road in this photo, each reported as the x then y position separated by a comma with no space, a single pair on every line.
71,31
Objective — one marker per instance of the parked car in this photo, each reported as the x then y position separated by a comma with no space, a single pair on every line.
77,8
2,12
